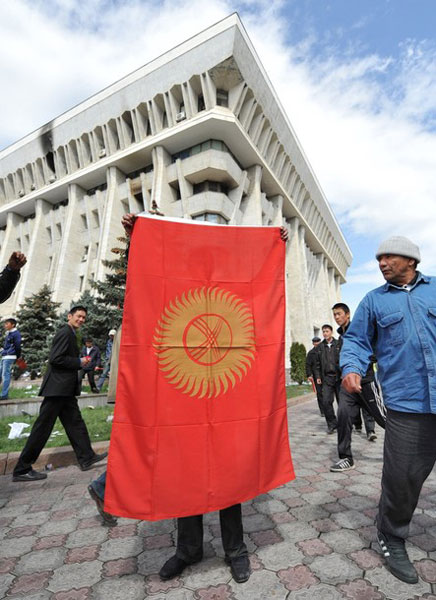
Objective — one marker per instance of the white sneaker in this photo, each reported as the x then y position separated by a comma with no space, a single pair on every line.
345,464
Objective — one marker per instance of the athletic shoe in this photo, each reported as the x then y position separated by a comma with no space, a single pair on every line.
345,464
370,436
397,560
29,476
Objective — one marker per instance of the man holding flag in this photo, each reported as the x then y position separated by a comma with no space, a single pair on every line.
205,313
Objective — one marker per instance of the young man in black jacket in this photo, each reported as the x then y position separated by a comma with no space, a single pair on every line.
328,374
59,388
310,372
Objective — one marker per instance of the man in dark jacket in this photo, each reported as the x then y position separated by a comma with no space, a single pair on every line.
59,388
310,372
93,352
11,274
11,351
328,374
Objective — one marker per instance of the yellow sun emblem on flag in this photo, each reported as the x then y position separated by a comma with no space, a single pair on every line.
205,342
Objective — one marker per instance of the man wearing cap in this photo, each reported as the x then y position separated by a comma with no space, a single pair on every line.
107,358
310,372
398,322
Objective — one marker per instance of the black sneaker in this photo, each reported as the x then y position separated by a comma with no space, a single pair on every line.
29,476
240,568
397,560
91,462
345,464
331,430
108,519
370,436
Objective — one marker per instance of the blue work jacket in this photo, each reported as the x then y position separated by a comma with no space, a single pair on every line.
399,325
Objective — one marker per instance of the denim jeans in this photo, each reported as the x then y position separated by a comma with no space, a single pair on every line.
5,375
104,374
99,485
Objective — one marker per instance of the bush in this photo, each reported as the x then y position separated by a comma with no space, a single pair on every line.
298,362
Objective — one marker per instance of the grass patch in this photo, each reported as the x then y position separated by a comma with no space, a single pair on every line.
95,419
292,391
16,393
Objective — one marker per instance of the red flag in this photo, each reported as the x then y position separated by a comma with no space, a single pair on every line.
200,416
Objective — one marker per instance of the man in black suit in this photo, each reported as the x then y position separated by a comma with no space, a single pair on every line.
59,388
328,374
93,352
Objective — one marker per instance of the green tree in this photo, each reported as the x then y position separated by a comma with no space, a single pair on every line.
37,318
298,362
110,291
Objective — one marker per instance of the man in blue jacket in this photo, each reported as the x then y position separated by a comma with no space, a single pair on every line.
11,351
398,320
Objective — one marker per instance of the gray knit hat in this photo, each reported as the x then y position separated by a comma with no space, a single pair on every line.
399,245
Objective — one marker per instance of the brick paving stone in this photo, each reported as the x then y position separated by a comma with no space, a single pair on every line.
367,559
255,562
218,592
145,528
319,498
335,568
21,531
295,532
248,509
368,533
40,560
51,541
307,489
297,577
352,519
154,584
7,564
16,547
262,585
84,593
371,513
425,542
158,541
14,510
58,527
359,589
319,592
5,521
333,507
37,518
120,548
324,525
122,531
212,571
5,581
266,538
280,556
257,523
427,570
82,554
129,587
270,506
75,575
393,588
314,547
343,541
150,561
282,517
41,595
30,583
354,502
60,515
308,512
86,537
122,566
340,493
294,502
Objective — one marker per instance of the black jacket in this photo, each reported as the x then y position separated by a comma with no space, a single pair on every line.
311,362
95,357
369,376
8,280
322,359
61,378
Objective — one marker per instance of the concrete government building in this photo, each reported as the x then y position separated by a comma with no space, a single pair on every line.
201,131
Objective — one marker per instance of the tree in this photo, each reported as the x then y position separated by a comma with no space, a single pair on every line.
110,292
298,362
37,318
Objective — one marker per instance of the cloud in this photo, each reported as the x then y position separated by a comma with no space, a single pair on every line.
366,122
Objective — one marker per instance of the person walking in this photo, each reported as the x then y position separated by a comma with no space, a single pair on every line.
398,320
369,400
107,358
328,375
91,351
310,372
59,388
11,351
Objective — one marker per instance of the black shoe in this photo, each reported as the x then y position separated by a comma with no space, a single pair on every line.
90,463
29,476
370,436
240,568
95,390
345,464
397,560
108,519
331,430
173,567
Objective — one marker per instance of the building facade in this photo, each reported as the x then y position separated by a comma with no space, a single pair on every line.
201,132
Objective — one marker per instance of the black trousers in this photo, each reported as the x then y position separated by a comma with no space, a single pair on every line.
409,457
318,388
190,535
330,391
367,419
67,409
349,407
91,378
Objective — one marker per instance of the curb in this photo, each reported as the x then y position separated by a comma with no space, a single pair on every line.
64,456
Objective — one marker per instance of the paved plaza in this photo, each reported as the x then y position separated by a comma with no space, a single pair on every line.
312,539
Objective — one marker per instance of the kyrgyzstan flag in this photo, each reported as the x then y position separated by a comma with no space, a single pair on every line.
200,415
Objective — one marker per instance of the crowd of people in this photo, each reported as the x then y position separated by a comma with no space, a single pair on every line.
383,365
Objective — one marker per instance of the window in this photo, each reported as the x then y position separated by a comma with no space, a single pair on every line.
95,218
211,218
201,105
222,98
59,230
85,253
81,282
49,235
84,221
